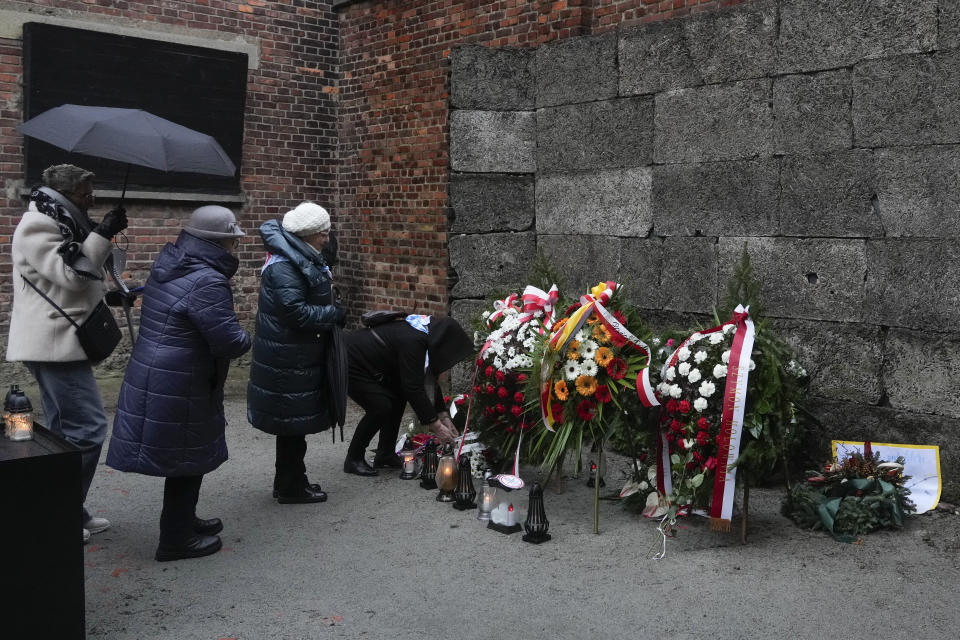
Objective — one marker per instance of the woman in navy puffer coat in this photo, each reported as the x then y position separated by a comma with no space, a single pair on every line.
288,395
169,419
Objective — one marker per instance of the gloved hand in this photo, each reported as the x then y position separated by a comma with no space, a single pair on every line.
116,297
340,317
113,223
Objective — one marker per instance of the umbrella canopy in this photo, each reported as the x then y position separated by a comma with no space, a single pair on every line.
130,135
337,369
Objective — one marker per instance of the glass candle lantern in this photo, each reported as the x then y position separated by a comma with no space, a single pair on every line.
465,493
446,477
428,472
486,501
17,415
409,457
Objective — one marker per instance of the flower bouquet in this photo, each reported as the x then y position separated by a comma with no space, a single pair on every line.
852,497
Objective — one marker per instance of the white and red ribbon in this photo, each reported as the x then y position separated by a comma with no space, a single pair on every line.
503,307
537,300
731,425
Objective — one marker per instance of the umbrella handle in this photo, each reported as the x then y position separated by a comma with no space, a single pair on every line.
125,176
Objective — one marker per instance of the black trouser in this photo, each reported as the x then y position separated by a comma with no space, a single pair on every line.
180,497
291,473
383,413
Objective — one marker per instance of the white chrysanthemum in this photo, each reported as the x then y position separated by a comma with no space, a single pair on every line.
528,343
730,328
725,357
720,371
643,485
694,375
486,314
699,356
588,348
675,391
707,389
498,363
684,368
588,368
538,314
700,404
671,373
716,338
697,337
512,351
683,354
571,369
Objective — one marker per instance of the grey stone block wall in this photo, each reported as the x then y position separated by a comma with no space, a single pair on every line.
823,135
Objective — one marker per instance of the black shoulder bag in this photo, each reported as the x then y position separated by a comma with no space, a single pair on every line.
99,334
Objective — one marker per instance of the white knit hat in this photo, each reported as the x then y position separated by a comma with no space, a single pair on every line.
306,219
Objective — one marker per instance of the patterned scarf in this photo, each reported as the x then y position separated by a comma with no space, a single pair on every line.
74,227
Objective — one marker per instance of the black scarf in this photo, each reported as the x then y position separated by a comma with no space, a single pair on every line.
74,227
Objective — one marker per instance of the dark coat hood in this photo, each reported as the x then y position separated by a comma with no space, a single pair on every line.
447,344
191,253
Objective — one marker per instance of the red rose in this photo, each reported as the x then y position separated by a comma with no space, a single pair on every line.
684,406
447,399
502,392
489,412
521,377
518,397
671,405
692,465
490,388
586,409
488,372
462,400
500,408
676,425
710,464
703,423
698,456
670,438
617,368
703,438
509,429
479,362
501,376
681,444
525,425
516,410
603,393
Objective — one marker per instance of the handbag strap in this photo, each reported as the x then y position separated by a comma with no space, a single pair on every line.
54,304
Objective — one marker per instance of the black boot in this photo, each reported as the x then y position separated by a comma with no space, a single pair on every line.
195,546
304,494
387,460
358,467
207,527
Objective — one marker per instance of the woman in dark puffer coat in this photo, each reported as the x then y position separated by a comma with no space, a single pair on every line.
169,419
288,395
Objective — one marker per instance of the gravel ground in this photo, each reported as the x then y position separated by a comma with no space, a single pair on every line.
383,559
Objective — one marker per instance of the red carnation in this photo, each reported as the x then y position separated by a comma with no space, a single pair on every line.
557,410
703,423
501,376
500,408
603,393
502,392
479,362
586,409
617,368
521,377
684,406
671,405
516,410
488,372
572,308
490,388
518,397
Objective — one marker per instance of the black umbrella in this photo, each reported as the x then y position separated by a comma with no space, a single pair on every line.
132,136
337,372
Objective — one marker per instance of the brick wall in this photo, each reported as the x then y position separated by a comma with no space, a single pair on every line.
394,133
289,132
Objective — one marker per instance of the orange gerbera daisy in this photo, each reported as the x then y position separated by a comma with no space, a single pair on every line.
573,350
586,385
560,390
603,356
592,319
601,334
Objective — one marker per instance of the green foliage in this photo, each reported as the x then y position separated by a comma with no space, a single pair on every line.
744,288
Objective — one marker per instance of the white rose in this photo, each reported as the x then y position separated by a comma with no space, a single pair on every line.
707,388
720,371
716,338
675,391
694,375
486,314
683,354
753,365
700,404
725,356
699,356
684,368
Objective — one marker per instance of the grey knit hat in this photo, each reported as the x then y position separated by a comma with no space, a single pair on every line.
213,222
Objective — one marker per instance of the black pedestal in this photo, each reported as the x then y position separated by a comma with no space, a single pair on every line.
41,545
